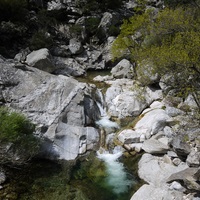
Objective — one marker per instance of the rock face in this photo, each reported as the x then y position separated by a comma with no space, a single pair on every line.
55,104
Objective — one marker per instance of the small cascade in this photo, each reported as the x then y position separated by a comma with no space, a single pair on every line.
117,177
105,121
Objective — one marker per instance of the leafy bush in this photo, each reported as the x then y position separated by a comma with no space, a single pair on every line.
17,130
169,40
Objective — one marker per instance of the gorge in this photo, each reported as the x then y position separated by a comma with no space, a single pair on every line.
109,129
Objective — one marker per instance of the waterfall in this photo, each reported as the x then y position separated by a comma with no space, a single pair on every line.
105,121
117,177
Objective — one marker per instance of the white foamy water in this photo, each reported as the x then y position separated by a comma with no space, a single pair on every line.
107,123
117,177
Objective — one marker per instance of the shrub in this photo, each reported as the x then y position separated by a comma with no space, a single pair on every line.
41,39
17,130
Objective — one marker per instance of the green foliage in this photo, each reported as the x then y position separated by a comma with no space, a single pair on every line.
170,40
13,10
41,39
15,128
91,25
175,3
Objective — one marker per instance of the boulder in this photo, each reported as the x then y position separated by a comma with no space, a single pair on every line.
124,69
2,177
68,67
180,145
40,59
156,170
150,192
106,52
126,98
52,102
123,100
129,136
145,73
75,46
152,122
153,146
193,159
71,141
189,176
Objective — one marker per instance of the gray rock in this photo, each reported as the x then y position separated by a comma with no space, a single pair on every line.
2,177
176,186
40,59
61,51
153,146
50,101
152,122
145,73
75,46
176,161
71,141
193,159
129,136
106,52
124,99
172,112
180,145
189,176
68,67
155,170
150,192
124,69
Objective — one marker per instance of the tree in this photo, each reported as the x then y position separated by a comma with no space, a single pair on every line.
170,39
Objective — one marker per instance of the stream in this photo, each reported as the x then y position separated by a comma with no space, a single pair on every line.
103,175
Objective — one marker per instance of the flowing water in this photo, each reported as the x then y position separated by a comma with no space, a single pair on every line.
102,175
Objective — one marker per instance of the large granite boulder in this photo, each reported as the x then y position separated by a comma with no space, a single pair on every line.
126,98
156,170
55,104
152,122
68,67
150,192
129,136
124,69
40,59
154,146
